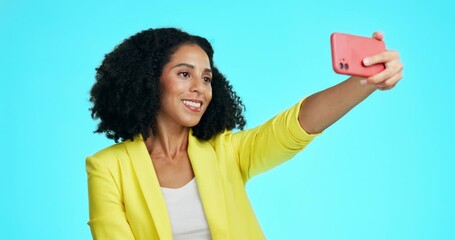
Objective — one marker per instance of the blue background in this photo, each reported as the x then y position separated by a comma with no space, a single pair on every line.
385,171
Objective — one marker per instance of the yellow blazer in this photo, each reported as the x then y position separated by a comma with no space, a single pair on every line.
125,198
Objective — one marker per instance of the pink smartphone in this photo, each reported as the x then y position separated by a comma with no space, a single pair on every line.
348,52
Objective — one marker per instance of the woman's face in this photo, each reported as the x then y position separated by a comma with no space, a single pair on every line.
186,89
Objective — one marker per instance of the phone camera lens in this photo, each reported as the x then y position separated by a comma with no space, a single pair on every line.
341,66
346,66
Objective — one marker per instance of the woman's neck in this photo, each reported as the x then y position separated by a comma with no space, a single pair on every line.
168,141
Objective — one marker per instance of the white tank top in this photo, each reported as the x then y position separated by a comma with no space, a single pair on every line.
186,213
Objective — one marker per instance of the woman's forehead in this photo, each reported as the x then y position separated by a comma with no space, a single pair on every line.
190,54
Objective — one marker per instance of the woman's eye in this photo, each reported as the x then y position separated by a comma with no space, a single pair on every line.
184,74
207,80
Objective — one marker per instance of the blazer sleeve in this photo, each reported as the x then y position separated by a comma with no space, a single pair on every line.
272,143
107,212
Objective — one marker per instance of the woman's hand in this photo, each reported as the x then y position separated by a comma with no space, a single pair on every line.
322,109
391,75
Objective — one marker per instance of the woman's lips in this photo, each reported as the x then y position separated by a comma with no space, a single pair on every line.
193,105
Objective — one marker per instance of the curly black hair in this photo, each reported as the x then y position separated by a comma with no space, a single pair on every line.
126,93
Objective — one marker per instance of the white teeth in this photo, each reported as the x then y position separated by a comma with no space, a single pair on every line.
192,104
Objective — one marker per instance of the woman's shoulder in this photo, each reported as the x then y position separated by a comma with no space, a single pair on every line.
224,136
110,150
110,155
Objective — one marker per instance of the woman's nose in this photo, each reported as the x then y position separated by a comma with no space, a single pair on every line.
197,86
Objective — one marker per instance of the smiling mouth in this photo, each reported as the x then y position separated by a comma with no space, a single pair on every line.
193,105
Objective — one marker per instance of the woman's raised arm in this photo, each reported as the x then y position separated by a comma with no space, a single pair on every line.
324,108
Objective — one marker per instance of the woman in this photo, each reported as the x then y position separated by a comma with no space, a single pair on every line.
179,171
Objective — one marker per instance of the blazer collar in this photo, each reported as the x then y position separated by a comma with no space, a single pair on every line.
208,177
150,186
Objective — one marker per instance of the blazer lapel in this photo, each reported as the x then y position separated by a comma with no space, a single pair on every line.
150,186
209,180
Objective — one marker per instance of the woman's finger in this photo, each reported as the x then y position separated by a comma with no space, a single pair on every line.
392,68
390,83
378,35
382,57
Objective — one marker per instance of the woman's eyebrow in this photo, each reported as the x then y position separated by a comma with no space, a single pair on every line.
190,66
